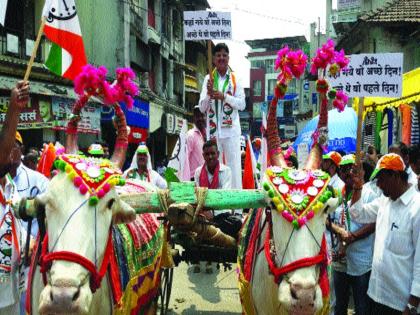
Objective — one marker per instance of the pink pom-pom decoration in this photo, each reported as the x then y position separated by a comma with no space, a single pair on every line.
125,89
106,188
83,189
340,101
302,221
290,63
287,216
77,181
101,193
310,215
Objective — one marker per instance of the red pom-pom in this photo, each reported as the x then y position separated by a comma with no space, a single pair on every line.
77,181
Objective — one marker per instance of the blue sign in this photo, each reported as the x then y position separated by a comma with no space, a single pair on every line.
306,86
138,115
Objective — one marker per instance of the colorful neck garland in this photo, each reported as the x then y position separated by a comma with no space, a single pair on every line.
90,175
297,194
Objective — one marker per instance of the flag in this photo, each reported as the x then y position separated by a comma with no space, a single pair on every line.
67,54
250,167
3,9
178,159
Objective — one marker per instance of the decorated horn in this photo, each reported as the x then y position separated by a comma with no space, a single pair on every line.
320,136
120,151
273,139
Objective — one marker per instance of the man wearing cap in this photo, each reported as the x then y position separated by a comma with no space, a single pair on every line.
330,164
12,235
194,142
394,285
141,168
29,184
221,98
353,249
96,150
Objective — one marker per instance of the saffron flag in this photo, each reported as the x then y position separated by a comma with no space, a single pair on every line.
250,167
67,54
3,9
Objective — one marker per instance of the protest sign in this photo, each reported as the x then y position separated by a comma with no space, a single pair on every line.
371,75
207,25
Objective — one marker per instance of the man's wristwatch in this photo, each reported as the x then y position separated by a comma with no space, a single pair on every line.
412,309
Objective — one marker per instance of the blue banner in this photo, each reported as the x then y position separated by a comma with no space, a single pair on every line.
138,115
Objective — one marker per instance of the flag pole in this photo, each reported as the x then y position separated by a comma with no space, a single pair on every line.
35,49
209,58
359,130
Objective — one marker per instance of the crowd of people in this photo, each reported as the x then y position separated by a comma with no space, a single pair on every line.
374,234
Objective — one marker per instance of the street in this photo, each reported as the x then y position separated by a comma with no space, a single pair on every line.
201,293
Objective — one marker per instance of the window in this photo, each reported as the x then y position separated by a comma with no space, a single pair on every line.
271,85
257,88
269,65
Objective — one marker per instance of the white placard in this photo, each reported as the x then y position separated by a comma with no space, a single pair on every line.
371,75
302,154
207,25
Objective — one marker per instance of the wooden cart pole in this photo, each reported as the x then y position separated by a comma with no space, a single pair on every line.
35,49
359,130
209,58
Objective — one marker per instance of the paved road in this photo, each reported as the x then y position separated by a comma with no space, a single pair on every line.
201,293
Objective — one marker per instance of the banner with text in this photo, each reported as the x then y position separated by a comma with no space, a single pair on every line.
35,115
207,25
371,75
90,117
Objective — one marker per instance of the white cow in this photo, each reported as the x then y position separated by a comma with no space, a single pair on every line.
297,291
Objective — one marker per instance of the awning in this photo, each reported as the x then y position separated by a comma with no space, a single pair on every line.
410,93
41,88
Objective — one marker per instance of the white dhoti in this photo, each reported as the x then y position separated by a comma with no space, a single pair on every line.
230,154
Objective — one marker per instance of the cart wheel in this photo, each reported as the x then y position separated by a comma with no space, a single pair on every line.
165,289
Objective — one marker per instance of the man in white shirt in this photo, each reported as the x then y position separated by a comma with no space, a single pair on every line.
12,236
394,285
141,168
213,175
414,161
222,97
331,164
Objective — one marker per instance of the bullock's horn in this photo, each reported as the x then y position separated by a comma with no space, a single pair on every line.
273,139
315,155
71,131
118,157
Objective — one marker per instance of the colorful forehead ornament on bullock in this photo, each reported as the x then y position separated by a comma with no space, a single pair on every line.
90,175
297,194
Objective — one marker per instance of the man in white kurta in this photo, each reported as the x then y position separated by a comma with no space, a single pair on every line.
222,97
141,169
395,279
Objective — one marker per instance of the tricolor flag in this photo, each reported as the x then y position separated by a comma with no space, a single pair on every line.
3,9
250,167
67,55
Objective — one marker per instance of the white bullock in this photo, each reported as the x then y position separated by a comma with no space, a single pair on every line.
298,291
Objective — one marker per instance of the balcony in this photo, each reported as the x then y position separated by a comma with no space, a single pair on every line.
191,81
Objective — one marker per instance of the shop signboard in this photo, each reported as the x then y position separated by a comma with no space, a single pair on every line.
174,124
138,115
137,135
90,115
36,115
